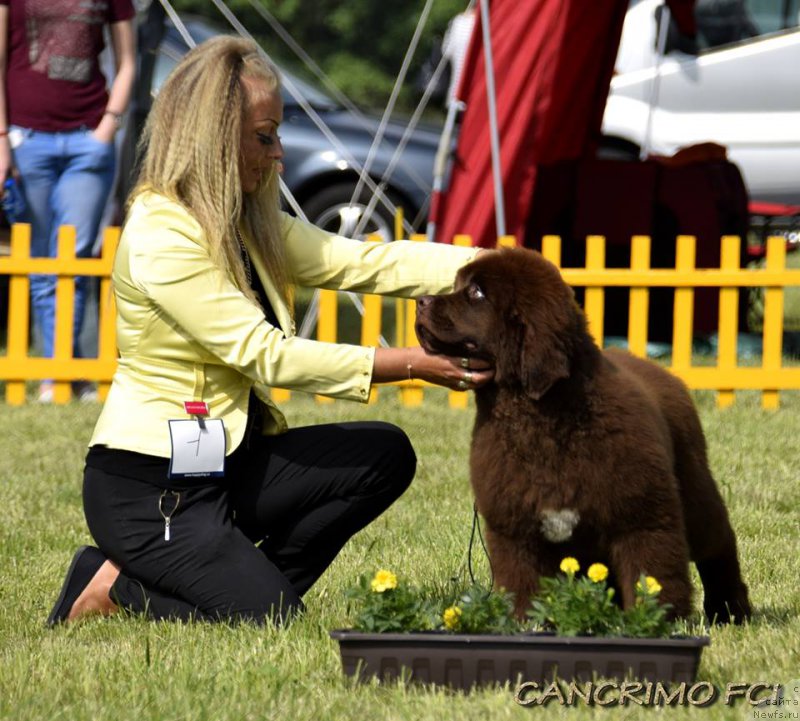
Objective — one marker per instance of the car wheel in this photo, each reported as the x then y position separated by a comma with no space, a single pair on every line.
330,210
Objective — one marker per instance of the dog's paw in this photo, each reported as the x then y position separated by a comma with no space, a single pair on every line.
735,610
557,526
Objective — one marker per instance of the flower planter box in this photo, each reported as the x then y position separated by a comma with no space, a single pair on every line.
463,661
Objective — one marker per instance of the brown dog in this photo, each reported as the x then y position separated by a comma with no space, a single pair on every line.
580,452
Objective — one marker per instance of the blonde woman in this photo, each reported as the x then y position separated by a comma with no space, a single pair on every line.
201,500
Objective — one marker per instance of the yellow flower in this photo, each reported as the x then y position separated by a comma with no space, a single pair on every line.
653,587
383,581
570,566
597,572
452,618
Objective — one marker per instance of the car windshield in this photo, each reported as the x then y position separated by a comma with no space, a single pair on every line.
174,47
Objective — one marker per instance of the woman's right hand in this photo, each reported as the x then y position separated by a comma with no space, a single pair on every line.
460,374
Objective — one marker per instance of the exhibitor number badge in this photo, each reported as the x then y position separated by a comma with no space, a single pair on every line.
198,448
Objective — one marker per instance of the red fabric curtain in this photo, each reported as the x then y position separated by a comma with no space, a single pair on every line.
553,63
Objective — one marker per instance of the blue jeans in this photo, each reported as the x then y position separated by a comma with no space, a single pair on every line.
66,179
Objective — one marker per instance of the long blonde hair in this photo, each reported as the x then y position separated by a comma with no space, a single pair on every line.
190,152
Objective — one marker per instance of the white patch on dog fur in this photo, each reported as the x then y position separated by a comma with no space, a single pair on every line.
557,526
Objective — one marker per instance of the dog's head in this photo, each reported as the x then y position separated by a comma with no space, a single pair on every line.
512,308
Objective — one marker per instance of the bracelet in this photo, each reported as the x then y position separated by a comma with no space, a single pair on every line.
3,133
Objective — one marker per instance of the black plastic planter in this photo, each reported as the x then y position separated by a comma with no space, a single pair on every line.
463,661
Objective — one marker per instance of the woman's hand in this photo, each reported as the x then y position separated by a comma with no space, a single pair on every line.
459,374
106,129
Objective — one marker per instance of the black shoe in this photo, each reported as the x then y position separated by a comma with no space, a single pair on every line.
85,564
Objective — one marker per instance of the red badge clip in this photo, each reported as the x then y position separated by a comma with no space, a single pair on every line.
196,408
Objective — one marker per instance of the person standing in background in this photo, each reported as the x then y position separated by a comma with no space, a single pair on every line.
57,127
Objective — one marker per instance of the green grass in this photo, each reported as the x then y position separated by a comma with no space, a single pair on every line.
127,668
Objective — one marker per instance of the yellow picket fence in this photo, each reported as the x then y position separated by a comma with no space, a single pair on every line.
726,377
18,366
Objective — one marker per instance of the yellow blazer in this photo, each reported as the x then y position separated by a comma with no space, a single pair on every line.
185,331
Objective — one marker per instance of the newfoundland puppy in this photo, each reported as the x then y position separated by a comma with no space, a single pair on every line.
581,452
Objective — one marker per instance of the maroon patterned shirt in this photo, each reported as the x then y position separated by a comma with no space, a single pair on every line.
53,77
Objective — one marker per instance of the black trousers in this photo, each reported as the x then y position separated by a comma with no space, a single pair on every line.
250,545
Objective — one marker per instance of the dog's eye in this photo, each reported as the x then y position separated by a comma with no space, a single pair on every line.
474,292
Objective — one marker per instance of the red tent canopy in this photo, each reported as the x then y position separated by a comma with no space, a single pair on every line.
553,61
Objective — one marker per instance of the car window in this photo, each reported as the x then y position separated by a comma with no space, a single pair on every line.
721,23
771,16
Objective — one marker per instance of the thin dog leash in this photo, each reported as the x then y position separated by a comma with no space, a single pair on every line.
476,527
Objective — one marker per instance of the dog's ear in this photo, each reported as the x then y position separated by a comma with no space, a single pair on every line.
535,350
543,360
545,327
530,360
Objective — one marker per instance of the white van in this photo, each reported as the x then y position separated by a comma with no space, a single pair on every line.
737,83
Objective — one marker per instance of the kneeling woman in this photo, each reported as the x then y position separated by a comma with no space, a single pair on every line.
201,501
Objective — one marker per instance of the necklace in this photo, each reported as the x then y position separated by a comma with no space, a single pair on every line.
248,271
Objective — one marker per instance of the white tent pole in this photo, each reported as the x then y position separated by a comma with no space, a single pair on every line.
655,86
491,97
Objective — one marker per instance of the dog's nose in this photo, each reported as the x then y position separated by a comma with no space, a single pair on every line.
424,301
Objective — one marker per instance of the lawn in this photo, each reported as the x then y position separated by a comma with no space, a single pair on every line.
126,668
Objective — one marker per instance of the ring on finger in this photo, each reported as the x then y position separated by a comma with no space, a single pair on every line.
463,385
468,377
465,362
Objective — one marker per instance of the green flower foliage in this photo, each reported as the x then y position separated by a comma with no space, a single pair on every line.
384,604
573,606
402,608
647,618
568,605
482,611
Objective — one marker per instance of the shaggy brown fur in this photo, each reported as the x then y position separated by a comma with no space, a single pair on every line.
580,452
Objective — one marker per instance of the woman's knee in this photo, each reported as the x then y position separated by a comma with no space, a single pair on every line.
249,591
399,461
406,458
